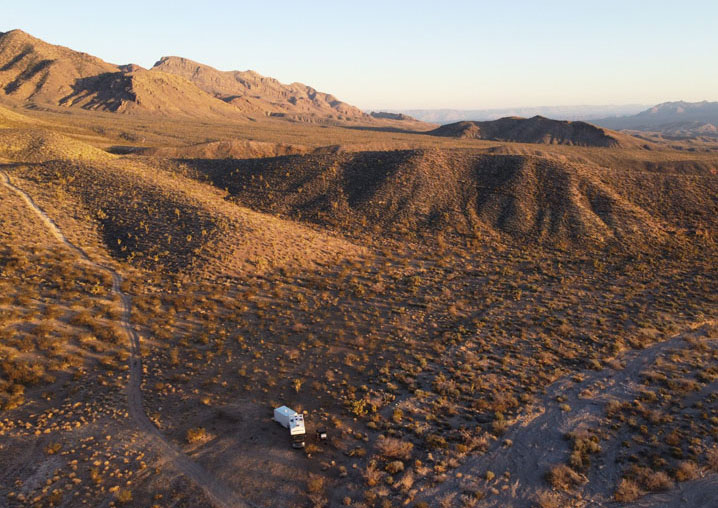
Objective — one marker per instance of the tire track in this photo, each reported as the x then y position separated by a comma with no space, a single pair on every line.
217,492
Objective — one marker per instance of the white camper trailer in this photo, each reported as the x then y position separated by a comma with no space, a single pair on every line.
293,421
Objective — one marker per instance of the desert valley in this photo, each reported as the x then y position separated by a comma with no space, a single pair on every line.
519,312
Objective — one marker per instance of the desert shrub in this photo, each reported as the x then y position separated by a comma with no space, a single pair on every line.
315,488
53,448
436,441
196,435
499,425
357,451
649,479
22,373
358,407
406,481
687,470
627,491
712,458
659,480
312,448
13,398
562,477
82,318
549,499
395,466
395,448
95,475
124,496
315,483
372,475
583,447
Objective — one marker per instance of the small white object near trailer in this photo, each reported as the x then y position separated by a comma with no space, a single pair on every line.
293,421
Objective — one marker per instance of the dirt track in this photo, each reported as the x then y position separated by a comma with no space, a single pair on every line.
538,442
219,494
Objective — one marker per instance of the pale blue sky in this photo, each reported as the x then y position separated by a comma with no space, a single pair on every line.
413,54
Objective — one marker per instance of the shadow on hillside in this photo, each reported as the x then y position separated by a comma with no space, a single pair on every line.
8,165
125,149
395,130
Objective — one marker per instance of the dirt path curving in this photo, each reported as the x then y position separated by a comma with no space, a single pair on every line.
536,441
219,494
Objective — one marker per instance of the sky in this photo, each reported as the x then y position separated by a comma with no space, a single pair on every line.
414,54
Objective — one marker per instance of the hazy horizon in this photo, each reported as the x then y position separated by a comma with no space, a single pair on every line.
465,55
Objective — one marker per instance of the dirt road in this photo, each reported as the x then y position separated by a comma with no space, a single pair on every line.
218,493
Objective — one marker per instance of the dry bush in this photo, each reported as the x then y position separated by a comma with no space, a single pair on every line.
311,448
406,481
436,441
659,480
712,458
562,477
372,474
627,491
196,435
395,466
584,445
53,448
395,448
315,483
549,499
315,489
649,479
687,470
124,496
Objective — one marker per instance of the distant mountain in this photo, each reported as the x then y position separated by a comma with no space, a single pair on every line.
254,94
392,116
444,116
537,130
677,119
41,74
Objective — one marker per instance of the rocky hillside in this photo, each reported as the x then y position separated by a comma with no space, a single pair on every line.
33,72
255,94
536,130
157,219
143,91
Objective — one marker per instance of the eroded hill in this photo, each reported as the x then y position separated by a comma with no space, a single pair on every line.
471,193
154,219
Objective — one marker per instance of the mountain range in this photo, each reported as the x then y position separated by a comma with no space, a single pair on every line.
45,75
445,116
674,119
40,75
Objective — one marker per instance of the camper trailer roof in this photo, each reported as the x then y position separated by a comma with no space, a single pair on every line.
286,411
